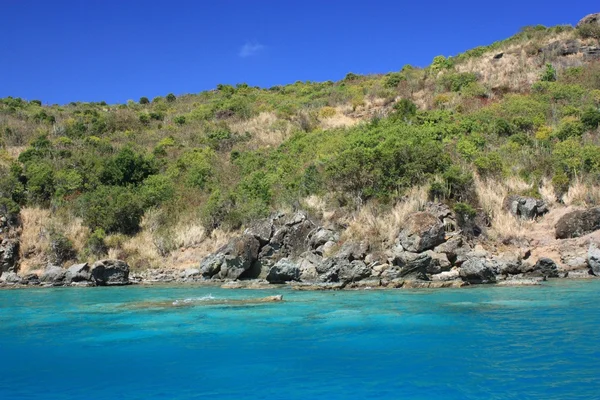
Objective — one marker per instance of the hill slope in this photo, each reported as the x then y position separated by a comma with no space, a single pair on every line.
166,181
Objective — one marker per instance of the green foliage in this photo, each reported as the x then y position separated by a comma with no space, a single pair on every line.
404,110
144,100
171,98
111,208
591,118
549,74
61,248
393,79
440,63
96,244
180,120
454,82
489,165
127,167
569,127
156,189
589,31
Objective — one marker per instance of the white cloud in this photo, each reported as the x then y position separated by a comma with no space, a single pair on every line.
250,49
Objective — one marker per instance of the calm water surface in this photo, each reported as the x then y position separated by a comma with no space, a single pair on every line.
481,343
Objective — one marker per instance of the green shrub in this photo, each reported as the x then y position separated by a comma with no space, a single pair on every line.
171,98
588,31
440,63
503,128
112,208
144,118
61,248
393,79
179,120
40,181
127,167
549,74
454,82
489,165
36,102
569,127
404,110
591,118
156,189
459,184
144,100
96,244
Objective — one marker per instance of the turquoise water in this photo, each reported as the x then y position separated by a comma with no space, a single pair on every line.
480,343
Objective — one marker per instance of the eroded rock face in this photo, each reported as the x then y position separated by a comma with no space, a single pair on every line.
545,267
110,273
232,260
284,271
78,273
525,207
9,255
54,275
423,231
594,259
578,223
476,270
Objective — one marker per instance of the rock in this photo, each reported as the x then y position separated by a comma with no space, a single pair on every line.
54,275
110,273
590,53
354,271
411,266
561,48
31,279
519,282
578,223
353,251
476,270
232,260
594,259
9,255
545,267
498,56
78,273
10,278
271,299
423,231
308,266
439,262
590,19
283,271
191,274
455,249
321,236
446,276
262,230
510,264
525,207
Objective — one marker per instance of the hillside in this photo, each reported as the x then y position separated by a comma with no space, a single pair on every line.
164,182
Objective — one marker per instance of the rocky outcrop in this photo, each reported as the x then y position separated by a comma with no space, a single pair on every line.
9,255
110,273
578,223
545,267
590,19
476,270
78,273
53,275
525,207
232,260
283,271
594,259
422,231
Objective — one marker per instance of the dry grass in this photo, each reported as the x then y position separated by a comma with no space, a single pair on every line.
34,238
374,226
504,226
267,130
581,194
548,192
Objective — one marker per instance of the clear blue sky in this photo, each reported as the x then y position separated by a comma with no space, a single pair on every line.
114,50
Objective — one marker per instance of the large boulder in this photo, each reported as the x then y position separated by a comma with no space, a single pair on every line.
525,207
232,260
422,231
9,255
545,267
578,223
590,19
283,271
110,273
10,278
262,230
78,273
594,259
476,270
353,271
562,48
409,265
53,274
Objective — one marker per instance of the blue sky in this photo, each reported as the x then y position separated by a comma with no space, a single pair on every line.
114,50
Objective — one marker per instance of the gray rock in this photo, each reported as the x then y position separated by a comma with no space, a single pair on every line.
191,273
525,207
423,231
578,223
561,48
545,267
455,249
53,274
232,260
410,266
211,265
321,236
308,263
353,251
439,262
594,259
10,278
78,273
284,271
446,276
476,270
354,271
110,273
262,230
9,255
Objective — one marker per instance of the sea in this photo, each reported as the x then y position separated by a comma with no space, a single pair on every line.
189,342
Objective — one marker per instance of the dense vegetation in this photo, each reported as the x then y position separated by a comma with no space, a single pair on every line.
191,157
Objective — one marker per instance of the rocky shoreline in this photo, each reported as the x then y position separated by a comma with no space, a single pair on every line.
294,250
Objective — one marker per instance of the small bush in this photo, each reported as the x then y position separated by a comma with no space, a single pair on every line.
590,118
144,100
179,120
589,31
61,248
440,63
549,74
489,165
111,208
569,127
96,244
144,118
171,98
